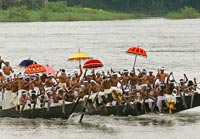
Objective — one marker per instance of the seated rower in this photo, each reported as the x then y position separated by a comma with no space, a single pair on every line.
170,100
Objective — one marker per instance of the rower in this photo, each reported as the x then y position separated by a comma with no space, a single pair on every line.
7,69
170,100
62,79
151,79
161,75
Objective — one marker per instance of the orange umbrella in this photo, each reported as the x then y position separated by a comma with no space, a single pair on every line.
137,51
35,68
93,63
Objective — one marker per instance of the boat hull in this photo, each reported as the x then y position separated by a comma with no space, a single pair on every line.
125,110
53,112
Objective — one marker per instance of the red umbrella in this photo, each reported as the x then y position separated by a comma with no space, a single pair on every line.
50,70
137,51
93,63
35,68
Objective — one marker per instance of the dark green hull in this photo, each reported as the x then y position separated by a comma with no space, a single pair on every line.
122,110
54,112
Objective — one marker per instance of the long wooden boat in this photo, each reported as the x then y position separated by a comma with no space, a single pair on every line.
125,110
118,110
53,112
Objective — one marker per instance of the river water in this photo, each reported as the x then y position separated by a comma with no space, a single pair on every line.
174,44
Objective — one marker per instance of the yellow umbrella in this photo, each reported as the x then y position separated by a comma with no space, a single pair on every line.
79,56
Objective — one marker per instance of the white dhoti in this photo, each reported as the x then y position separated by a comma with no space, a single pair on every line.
106,92
118,90
7,102
159,102
20,92
48,90
62,85
139,87
170,98
37,90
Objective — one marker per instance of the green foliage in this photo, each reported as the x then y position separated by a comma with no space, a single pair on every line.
20,13
186,12
189,12
56,6
44,14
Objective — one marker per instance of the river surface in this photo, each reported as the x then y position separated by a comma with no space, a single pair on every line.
174,44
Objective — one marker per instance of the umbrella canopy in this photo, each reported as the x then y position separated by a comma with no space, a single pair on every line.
79,56
27,62
50,70
93,63
35,68
137,51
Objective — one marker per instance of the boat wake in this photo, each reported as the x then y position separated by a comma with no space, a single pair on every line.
74,118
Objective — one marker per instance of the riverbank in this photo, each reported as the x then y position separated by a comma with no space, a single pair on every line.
60,12
21,14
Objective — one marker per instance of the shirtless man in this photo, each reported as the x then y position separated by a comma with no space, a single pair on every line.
134,78
125,78
38,84
182,86
22,91
114,80
170,100
1,62
62,79
2,77
161,75
78,76
98,78
144,79
7,69
151,79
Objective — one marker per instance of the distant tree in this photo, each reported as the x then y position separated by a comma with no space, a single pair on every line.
6,4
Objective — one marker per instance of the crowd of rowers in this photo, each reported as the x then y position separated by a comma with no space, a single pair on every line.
103,88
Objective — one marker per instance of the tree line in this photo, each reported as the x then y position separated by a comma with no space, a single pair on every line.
162,6
30,4
137,5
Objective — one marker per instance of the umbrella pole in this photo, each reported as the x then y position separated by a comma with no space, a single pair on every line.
134,62
79,62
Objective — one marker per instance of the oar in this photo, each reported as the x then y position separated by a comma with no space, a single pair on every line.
123,92
23,106
48,106
35,102
154,99
63,105
192,99
75,105
84,108
182,96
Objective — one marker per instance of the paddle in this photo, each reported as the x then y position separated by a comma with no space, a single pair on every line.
154,99
35,101
63,104
192,99
181,95
23,106
84,108
123,92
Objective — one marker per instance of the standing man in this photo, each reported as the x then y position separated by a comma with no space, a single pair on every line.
161,75
7,69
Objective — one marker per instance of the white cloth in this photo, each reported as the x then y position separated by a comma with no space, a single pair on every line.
170,98
20,94
37,90
7,101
